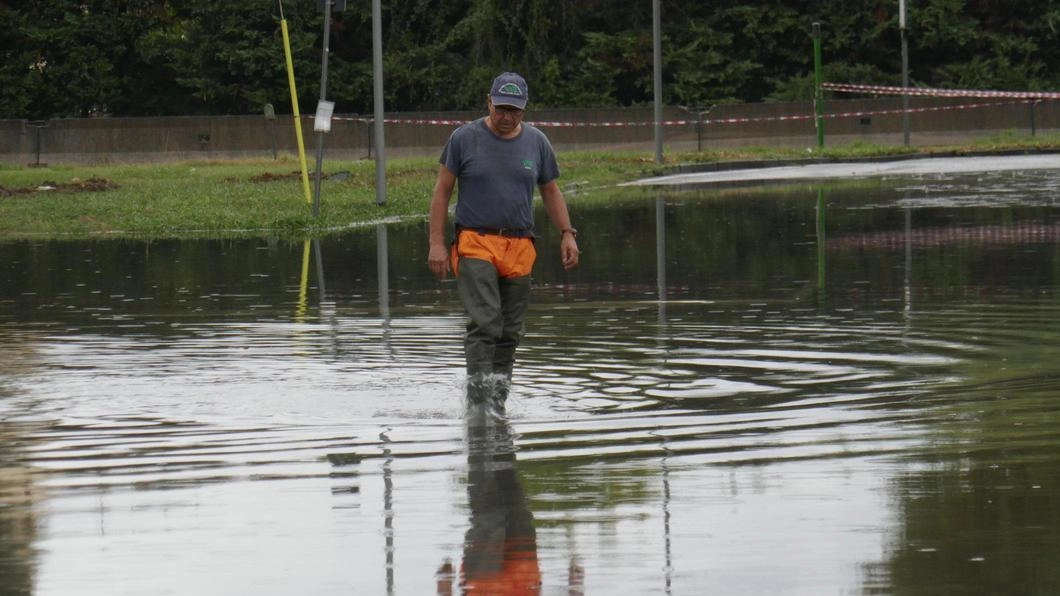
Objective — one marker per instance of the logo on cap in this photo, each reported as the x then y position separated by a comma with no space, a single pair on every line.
510,89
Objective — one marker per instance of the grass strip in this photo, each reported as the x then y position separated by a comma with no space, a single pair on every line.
264,197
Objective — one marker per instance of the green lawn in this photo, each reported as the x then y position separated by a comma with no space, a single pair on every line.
265,197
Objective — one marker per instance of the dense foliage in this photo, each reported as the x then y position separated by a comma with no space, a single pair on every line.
65,58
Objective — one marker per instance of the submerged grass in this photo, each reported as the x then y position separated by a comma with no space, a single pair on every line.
265,197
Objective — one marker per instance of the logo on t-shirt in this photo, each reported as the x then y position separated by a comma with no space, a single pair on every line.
528,164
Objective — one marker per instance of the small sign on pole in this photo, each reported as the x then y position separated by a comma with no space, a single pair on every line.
322,121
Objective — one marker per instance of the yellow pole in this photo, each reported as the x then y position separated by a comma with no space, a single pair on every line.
294,107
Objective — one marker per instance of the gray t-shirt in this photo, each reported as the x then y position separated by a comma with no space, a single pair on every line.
496,177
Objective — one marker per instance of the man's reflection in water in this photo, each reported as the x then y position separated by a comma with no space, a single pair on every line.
500,547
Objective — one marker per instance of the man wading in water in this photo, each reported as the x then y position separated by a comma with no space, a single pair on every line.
497,160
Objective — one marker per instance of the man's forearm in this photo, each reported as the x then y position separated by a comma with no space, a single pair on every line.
439,210
439,217
555,206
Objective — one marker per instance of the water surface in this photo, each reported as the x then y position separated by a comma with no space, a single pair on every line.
800,390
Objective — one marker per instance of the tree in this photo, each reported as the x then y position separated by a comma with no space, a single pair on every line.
61,58
67,57
226,57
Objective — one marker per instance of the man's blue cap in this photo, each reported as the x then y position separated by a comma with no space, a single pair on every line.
509,89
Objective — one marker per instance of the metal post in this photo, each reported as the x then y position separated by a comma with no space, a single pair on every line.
818,93
323,96
377,88
905,72
699,132
38,124
656,11
700,121
270,125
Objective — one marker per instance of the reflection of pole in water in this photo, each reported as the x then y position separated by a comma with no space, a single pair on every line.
660,252
303,284
908,261
383,269
388,510
666,527
309,247
820,241
667,545
660,271
382,262
327,309
319,258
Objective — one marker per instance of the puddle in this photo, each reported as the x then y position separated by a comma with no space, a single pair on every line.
814,391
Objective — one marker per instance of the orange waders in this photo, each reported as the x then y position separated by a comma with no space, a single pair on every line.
492,269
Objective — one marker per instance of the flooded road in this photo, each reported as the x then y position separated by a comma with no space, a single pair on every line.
799,390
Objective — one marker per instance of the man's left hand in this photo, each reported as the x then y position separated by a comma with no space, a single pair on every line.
569,252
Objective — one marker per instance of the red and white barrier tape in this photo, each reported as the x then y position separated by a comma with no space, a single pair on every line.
542,123
929,109
710,121
931,92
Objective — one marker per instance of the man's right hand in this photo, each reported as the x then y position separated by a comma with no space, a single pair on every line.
438,260
438,256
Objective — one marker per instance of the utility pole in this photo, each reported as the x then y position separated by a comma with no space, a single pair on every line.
322,122
656,17
818,93
905,72
377,91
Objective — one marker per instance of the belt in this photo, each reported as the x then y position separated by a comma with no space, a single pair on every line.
507,232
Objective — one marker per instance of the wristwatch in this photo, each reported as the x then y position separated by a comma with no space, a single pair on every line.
570,231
